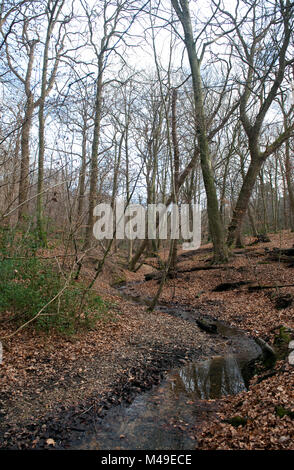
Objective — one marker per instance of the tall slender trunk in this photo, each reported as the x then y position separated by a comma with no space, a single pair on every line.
40,225
264,203
243,200
116,168
82,175
252,221
168,201
288,171
24,182
216,227
94,154
174,244
12,187
45,89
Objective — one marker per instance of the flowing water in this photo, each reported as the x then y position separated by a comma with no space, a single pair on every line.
163,417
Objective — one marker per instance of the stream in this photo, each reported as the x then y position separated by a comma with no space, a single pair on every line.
163,417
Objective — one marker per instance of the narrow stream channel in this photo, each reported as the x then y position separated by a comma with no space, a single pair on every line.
162,417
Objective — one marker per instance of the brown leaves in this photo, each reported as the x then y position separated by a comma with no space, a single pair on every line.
256,314
264,428
38,371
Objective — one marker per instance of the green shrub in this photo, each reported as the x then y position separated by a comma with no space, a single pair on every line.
28,283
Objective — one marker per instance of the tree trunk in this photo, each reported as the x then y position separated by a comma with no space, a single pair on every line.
264,204
288,171
40,227
94,155
82,175
168,201
174,244
214,217
24,182
45,89
243,200
252,221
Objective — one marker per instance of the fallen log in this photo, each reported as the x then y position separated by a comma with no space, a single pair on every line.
225,286
261,238
259,287
281,254
279,258
158,275
206,325
284,251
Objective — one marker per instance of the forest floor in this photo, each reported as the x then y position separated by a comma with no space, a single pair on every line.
256,312
54,387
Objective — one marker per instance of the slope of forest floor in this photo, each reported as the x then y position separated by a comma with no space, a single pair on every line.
52,387
267,410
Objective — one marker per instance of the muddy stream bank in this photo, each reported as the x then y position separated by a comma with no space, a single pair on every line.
165,416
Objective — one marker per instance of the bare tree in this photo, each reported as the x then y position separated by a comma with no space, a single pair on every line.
115,27
263,52
53,11
215,222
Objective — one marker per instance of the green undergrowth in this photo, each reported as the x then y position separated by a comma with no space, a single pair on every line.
28,284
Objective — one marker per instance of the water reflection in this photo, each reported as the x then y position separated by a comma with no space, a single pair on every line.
161,418
212,378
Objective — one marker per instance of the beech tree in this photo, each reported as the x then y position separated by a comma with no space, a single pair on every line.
22,67
261,44
215,222
53,11
114,28
208,119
